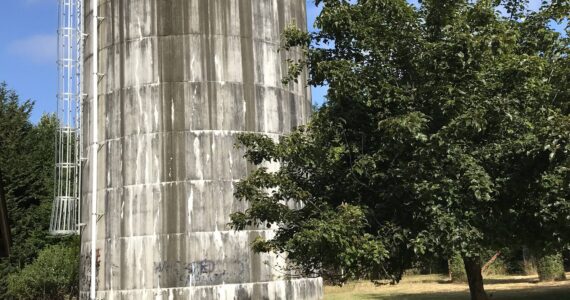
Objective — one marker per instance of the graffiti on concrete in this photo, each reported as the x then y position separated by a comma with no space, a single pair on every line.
196,267
188,273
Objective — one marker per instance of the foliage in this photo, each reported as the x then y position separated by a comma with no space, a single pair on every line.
26,163
53,275
551,267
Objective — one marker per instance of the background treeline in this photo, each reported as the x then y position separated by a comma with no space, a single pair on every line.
40,266
517,261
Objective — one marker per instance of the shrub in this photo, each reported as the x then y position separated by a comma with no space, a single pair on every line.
53,275
457,269
551,267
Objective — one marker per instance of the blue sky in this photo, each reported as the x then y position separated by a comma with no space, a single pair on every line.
29,48
28,51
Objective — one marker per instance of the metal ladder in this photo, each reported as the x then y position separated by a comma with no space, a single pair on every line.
68,140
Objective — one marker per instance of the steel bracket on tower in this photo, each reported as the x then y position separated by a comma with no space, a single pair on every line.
100,216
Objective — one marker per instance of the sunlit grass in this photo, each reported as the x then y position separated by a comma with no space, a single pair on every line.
436,287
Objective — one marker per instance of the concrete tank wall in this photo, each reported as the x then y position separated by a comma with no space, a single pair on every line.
181,79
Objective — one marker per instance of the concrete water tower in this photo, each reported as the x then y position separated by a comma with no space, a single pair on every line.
176,81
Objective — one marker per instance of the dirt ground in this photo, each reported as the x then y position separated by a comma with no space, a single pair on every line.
436,287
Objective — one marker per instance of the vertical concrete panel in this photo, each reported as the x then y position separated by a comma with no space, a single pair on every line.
181,79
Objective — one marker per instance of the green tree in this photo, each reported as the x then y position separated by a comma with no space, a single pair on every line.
446,131
26,165
53,275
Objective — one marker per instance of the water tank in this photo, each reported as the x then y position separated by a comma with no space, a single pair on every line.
179,80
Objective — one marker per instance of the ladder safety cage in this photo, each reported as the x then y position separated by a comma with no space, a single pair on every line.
68,140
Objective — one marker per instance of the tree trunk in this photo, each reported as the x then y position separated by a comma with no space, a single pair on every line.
475,279
490,262
5,239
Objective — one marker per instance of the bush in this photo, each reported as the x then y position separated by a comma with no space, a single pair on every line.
53,275
457,269
551,267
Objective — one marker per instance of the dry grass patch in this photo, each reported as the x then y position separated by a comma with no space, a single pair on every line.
436,287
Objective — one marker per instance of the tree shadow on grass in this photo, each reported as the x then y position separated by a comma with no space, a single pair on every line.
425,296
492,281
538,293
510,280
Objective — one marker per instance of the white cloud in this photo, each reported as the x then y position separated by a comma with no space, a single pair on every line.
40,49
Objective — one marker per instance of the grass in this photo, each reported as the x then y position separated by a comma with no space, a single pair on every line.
436,287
